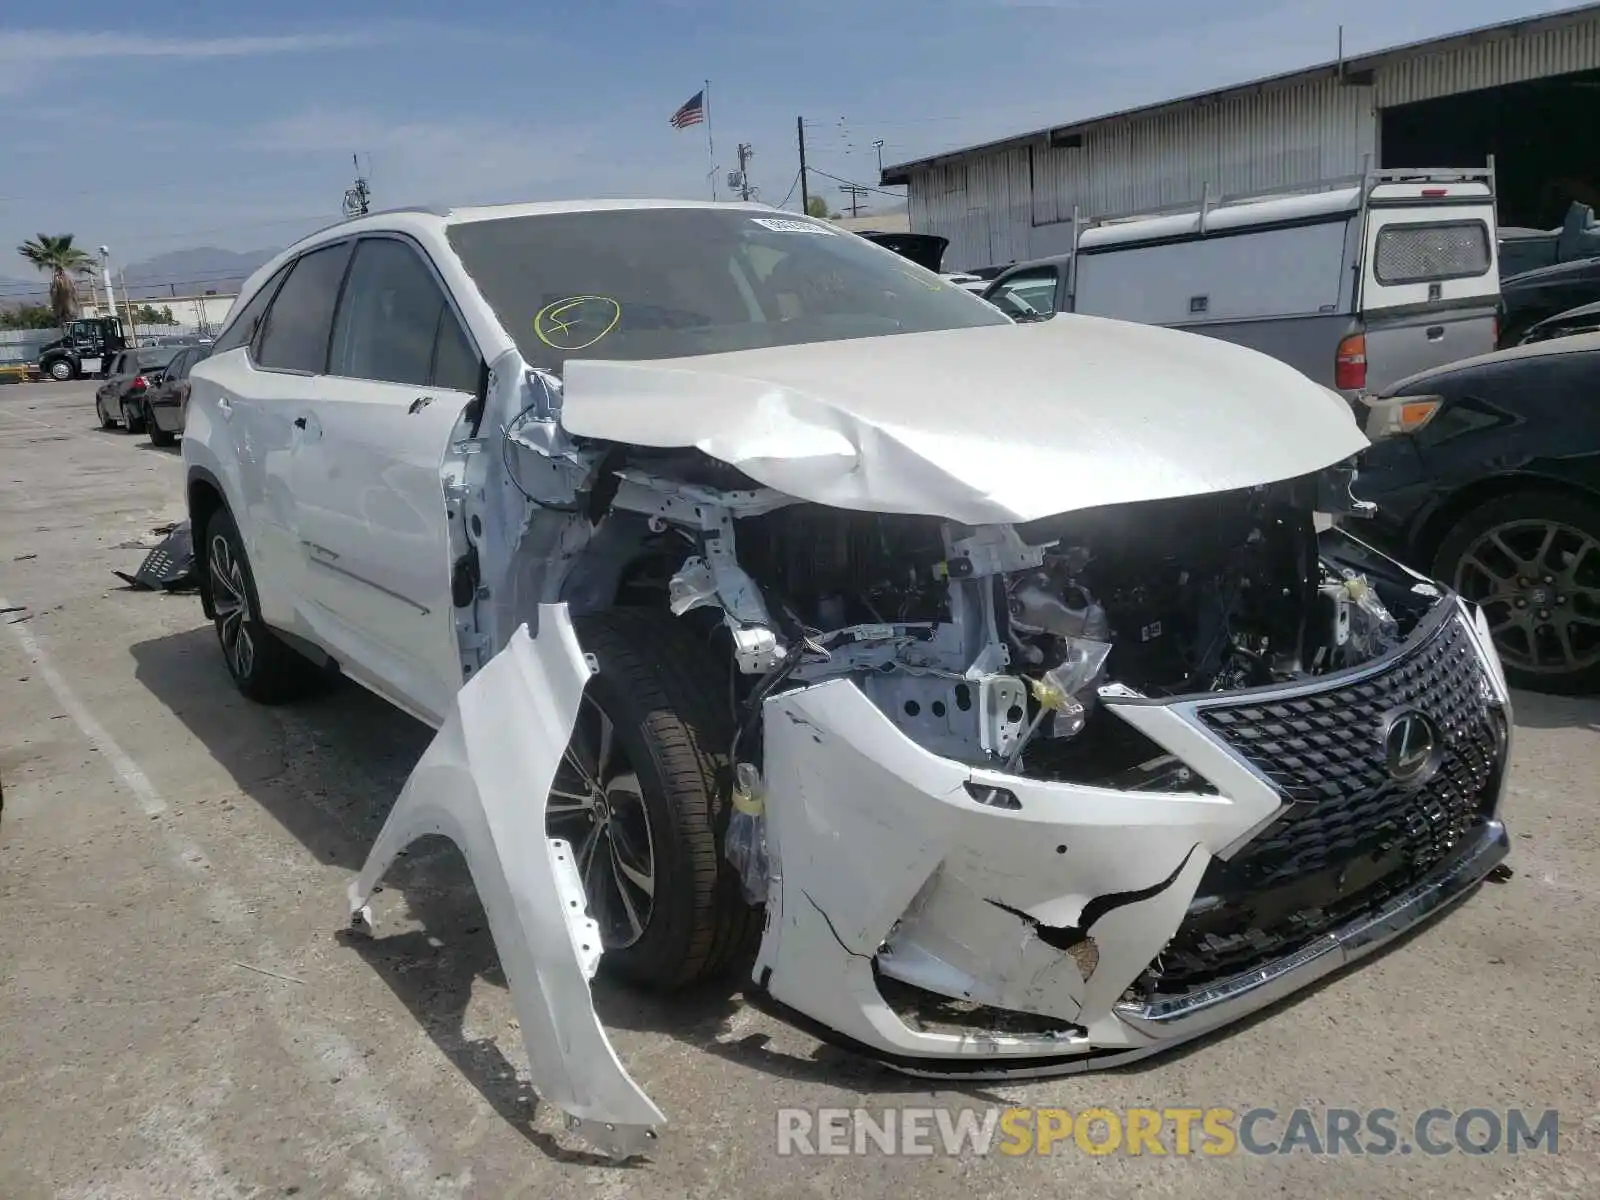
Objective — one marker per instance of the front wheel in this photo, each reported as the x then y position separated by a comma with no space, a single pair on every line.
641,798
1531,561
60,370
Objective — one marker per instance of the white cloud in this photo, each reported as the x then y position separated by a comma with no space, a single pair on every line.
45,46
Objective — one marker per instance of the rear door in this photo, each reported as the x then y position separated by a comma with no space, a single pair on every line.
1430,282
365,474
280,377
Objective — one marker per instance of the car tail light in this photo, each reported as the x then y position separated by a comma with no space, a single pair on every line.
1400,414
139,382
1434,193
1350,363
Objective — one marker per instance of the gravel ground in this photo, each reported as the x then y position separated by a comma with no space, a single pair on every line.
181,1013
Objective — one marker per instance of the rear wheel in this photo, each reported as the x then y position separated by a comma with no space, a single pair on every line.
1532,562
132,417
641,798
107,421
263,668
158,435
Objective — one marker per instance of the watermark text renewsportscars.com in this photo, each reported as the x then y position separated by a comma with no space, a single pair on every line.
1181,1131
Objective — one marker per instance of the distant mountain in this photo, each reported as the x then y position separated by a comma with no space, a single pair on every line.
192,272
189,272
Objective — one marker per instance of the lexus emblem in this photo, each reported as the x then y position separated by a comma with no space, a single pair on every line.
1409,746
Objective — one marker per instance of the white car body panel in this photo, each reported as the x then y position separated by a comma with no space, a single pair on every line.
370,523
984,425
482,783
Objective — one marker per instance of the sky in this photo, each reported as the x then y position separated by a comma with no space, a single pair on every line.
161,125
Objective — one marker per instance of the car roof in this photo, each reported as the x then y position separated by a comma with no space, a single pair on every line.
1579,343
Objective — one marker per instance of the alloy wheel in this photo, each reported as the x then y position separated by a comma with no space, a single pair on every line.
230,600
1538,583
598,806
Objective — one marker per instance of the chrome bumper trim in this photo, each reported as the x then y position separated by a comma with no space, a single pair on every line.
1204,1009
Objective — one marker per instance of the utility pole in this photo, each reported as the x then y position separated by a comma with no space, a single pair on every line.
133,330
356,197
105,270
857,195
805,193
878,146
746,192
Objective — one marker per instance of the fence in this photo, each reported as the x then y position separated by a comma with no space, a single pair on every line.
20,346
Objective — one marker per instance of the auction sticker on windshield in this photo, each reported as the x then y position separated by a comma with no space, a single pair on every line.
779,225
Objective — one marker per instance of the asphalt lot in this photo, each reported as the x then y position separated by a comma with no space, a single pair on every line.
182,1014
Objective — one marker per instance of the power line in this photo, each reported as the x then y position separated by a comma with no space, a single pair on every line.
790,193
854,184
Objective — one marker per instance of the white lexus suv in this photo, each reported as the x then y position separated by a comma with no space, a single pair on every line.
986,689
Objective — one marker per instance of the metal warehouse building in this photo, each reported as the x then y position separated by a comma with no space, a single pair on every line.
1527,92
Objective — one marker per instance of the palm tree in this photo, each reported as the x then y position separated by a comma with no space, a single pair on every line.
63,260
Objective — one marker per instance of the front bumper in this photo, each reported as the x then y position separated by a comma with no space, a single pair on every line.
1079,926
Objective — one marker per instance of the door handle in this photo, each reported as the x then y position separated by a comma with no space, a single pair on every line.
1435,333
225,406
299,422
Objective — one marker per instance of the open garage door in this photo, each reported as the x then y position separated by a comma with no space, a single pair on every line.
1544,135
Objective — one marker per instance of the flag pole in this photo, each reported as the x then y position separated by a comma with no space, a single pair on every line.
711,150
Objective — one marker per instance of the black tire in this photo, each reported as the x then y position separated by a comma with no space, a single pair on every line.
1508,577
106,420
264,669
158,435
134,423
660,689
60,370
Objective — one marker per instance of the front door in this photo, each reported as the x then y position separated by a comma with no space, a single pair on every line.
364,471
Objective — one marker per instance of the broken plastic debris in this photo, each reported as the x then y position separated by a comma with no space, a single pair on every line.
746,840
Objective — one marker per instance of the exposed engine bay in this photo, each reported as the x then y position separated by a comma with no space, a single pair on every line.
989,644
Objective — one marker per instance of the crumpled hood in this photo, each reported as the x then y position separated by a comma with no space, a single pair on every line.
1000,423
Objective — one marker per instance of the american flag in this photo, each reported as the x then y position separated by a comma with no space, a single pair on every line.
692,112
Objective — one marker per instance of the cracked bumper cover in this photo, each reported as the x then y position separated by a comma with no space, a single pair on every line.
889,869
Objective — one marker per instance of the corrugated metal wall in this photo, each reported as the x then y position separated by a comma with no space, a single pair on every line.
992,213
1016,202
1491,63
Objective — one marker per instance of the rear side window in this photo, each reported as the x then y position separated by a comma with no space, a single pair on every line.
1426,251
294,334
242,329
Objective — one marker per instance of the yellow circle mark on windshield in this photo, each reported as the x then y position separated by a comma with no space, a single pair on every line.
577,322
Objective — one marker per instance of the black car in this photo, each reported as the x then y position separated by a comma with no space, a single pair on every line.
1583,319
166,401
1531,297
1486,474
121,396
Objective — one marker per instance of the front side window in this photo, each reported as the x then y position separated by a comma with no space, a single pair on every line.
1027,293
647,283
294,333
1427,251
389,317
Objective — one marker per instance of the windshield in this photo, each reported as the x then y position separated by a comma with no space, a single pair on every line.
149,359
671,282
